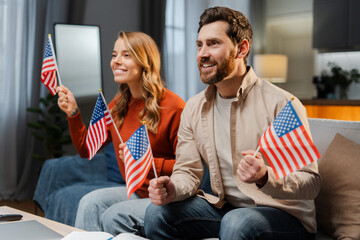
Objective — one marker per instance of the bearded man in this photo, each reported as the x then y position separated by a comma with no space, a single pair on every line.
221,127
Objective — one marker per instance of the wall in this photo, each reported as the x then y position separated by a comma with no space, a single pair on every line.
288,30
112,16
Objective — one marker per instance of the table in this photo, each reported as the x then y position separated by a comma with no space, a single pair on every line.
60,228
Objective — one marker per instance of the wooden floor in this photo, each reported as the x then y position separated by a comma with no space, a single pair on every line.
27,206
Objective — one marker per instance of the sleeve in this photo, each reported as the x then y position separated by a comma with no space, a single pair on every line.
302,184
78,134
188,169
164,166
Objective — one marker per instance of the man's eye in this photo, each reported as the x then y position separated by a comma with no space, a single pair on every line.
213,43
114,55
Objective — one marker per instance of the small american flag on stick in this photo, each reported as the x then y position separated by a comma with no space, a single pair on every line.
138,159
286,144
48,71
97,133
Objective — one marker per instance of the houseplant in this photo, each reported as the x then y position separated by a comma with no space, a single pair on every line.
50,128
341,78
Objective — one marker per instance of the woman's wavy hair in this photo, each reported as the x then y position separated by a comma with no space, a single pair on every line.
145,52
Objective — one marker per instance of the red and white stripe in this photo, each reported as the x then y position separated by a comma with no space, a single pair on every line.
48,74
288,153
136,170
97,135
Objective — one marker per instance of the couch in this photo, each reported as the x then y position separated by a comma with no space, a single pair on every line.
64,181
338,203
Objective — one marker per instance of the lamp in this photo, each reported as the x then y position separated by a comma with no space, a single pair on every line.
271,67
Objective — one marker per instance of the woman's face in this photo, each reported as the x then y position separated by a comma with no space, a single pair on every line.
124,66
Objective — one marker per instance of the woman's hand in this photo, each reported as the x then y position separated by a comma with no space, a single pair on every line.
66,101
121,151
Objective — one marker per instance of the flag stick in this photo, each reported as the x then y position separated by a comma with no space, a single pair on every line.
56,66
257,150
153,164
117,131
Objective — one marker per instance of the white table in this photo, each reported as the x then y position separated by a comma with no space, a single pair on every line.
60,228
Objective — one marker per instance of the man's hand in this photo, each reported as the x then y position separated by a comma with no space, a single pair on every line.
252,169
66,101
161,190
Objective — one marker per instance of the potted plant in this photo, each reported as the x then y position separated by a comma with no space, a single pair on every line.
50,128
341,78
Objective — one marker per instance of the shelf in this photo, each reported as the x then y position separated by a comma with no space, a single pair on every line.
333,109
330,102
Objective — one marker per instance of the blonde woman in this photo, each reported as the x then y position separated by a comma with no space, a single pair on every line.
142,97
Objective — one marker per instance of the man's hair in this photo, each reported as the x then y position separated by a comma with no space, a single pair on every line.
239,26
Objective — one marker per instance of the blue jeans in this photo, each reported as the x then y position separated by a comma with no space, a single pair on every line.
109,210
195,218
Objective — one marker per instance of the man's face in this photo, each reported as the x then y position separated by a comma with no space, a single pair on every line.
215,53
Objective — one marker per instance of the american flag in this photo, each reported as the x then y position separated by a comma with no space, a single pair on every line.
286,144
138,159
48,71
97,133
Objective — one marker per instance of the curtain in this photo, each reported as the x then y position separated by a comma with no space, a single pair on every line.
152,15
16,68
24,28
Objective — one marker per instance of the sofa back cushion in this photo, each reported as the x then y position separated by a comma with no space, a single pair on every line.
323,131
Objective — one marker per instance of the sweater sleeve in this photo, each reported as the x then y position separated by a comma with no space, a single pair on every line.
170,125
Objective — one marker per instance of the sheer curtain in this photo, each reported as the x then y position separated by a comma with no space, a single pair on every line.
23,30
181,24
14,93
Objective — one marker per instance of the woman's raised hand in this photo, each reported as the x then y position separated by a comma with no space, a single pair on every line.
66,101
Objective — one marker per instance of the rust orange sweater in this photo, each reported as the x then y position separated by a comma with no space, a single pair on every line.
163,143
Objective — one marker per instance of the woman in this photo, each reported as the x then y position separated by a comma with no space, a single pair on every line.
142,97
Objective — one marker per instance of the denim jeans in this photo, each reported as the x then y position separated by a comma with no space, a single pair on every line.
109,210
195,218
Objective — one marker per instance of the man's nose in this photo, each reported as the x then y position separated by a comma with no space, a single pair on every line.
203,52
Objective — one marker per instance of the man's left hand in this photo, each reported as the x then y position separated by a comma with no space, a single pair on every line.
252,169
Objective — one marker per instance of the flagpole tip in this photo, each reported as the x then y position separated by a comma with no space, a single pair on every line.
49,35
99,90
144,122
292,98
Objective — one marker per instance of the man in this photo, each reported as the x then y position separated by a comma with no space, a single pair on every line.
220,126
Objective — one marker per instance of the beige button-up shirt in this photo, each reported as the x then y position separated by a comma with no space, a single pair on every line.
258,104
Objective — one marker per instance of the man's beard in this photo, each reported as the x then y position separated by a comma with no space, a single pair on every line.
225,68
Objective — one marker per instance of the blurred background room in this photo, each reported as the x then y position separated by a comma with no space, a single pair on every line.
315,44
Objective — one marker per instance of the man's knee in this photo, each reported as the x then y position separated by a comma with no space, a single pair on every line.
242,222
152,214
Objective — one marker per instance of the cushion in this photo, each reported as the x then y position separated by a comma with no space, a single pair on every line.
113,170
338,203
